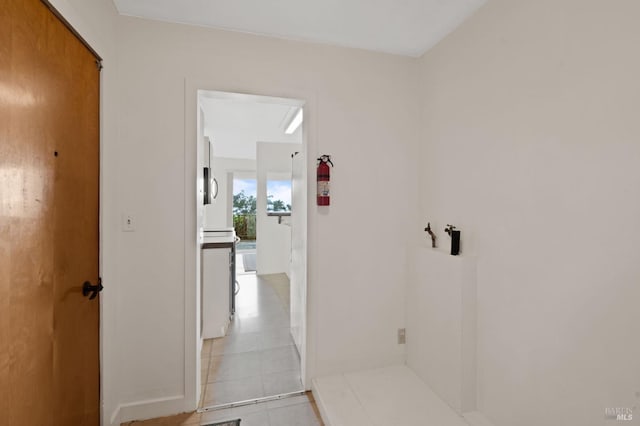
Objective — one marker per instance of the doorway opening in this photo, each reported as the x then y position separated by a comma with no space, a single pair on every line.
244,222
257,158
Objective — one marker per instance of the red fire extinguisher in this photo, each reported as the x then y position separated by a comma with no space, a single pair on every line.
324,198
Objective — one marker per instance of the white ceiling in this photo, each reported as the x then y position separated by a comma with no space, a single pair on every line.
404,27
236,122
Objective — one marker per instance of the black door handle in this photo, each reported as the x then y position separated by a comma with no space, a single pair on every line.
93,290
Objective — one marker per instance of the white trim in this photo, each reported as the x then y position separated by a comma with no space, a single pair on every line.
152,408
320,403
115,417
191,323
191,88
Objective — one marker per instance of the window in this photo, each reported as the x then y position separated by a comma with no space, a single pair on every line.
244,208
278,194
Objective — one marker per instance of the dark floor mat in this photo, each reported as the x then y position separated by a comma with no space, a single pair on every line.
225,423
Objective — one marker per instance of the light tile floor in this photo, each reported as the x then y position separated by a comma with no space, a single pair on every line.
257,357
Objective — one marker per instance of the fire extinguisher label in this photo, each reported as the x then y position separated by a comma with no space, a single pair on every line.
323,188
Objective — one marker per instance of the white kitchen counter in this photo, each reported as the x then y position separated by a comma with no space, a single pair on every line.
217,236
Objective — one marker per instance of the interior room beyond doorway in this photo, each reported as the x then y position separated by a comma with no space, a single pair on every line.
250,148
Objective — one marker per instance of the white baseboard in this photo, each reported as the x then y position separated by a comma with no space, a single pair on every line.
151,408
320,404
115,417
476,418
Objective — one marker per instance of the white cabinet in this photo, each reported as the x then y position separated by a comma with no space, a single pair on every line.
216,291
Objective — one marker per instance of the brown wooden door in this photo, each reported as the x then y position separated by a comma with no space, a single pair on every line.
49,192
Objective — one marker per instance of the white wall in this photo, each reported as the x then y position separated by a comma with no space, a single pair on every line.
273,240
530,146
218,214
362,109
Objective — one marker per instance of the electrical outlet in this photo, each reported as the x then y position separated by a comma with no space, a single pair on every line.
402,336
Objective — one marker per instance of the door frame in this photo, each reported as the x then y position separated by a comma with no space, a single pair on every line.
191,258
